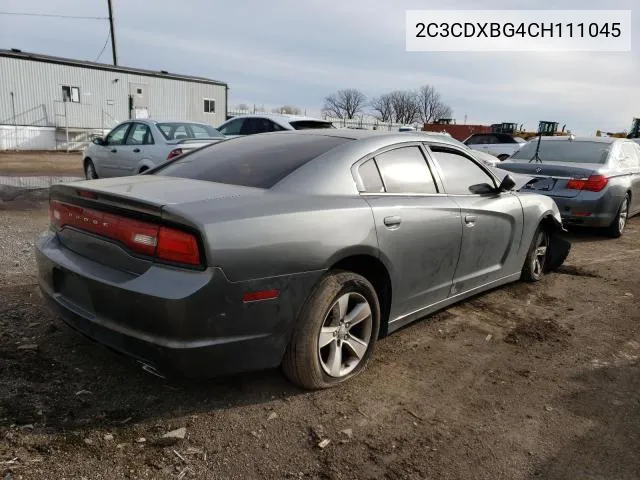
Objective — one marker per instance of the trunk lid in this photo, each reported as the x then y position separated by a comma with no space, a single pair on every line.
551,178
97,205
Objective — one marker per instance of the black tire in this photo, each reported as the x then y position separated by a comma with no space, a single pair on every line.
90,172
535,265
619,223
303,362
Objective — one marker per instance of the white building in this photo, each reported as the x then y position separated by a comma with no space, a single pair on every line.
44,100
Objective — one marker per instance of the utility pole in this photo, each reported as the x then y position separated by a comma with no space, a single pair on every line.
113,35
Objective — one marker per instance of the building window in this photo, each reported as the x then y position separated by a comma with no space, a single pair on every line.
70,94
209,106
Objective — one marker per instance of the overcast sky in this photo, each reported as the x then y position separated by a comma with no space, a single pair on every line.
296,52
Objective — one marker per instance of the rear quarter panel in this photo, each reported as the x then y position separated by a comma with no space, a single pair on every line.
280,234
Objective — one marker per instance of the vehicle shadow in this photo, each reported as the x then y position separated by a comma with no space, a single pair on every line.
54,379
610,400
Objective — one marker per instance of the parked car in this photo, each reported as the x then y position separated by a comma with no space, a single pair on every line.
501,145
270,122
138,145
595,181
294,248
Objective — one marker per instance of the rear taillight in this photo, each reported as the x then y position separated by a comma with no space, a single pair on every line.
594,183
140,237
176,152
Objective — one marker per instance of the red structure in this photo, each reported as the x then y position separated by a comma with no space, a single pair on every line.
459,132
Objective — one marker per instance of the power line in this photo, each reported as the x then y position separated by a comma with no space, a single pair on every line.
103,47
53,15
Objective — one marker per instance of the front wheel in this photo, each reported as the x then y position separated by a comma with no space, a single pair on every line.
616,228
536,261
335,333
90,172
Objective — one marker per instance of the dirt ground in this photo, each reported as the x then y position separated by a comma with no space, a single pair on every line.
41,163
528,381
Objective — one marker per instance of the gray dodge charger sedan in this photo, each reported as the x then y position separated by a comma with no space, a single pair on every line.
297,249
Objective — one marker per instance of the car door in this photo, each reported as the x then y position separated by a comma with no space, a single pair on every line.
138,146
114,144
419,230
492,222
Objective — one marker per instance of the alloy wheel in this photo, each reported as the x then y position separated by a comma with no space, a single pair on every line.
540,254
345,335
622,216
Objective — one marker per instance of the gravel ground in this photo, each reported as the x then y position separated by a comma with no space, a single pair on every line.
41,163
524,382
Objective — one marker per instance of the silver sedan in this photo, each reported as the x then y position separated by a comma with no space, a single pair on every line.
138,145
595,181
297,249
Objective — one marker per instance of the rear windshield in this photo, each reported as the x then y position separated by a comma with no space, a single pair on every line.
187,131
310,124
258,161
565,151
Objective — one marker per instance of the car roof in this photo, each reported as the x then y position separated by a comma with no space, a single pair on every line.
325,174
565,138
278,116
155,120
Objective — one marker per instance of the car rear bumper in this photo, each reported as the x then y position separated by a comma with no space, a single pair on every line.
189,324
577,211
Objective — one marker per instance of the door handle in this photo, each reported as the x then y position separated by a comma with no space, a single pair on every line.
470,220
136,150
113,150
392,222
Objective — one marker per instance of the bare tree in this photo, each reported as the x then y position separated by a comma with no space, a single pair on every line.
287,109
405,106
243,107
344,103
431,106
382,107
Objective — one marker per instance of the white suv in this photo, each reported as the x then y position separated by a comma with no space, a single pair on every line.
267,122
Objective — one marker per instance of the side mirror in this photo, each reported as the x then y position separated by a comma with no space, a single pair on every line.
99,141
482,189
507,184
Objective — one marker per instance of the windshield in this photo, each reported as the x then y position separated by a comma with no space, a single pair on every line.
258,161
565,151
310,124
185,131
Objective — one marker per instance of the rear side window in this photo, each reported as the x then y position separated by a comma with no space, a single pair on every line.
405,170
310,124
460,173
370,177
258,161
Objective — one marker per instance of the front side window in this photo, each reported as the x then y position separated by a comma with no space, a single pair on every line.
140,134
478,140
118,134
462,176
232,127
209,106
405,170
